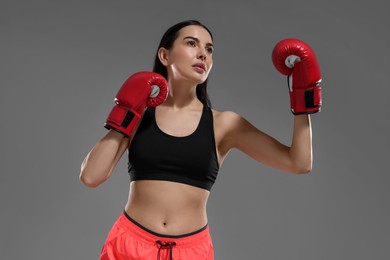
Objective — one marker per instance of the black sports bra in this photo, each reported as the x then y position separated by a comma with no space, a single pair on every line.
192,159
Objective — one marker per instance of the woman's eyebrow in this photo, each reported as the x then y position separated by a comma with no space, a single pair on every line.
197,40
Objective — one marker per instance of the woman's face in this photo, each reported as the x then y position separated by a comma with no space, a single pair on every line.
190,57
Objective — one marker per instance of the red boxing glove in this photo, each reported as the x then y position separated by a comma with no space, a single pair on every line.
141,90
296,59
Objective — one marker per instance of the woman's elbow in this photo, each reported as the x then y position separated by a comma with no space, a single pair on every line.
303,169
89,181
300,168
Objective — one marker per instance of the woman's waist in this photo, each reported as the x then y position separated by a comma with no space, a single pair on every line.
171,221
180,240
166,207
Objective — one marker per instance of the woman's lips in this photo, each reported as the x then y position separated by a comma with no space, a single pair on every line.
200,67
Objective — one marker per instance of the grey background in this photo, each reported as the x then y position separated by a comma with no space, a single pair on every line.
63,61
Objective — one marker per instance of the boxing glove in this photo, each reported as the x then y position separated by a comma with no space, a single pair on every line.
296,60
141,90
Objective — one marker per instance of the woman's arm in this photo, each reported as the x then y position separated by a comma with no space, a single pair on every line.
296,158
131,101
100,162
301,152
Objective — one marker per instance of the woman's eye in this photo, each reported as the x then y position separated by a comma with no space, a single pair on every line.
210,50
191,43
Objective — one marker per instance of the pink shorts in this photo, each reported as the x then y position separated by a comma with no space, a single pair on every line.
129,240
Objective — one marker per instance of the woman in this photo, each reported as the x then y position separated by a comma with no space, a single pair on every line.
175,152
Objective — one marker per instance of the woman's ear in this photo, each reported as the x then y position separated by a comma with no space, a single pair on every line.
163,56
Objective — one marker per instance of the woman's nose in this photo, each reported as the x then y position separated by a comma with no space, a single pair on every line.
202,55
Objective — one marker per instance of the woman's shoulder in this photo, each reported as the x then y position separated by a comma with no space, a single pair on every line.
226,119
224,114
228,125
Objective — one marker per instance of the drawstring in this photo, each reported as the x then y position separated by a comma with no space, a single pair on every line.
169,245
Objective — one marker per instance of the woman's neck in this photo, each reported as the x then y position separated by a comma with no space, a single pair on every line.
182,95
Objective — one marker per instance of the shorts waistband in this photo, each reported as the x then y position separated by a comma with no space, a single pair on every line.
141,232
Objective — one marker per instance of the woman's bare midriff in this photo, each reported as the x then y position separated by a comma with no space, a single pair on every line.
168,208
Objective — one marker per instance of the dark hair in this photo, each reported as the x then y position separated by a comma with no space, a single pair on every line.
167,42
